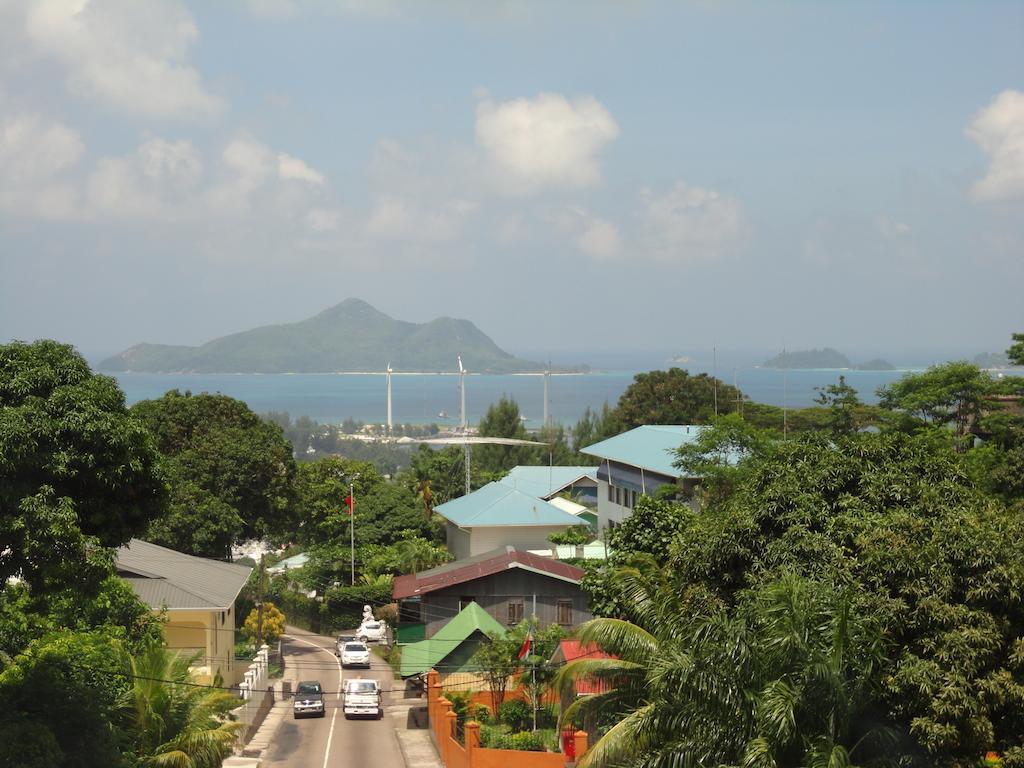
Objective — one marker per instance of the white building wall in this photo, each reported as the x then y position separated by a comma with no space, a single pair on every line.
608,511
458,541
518,536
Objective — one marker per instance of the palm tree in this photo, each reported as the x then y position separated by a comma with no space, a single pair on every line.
172,721
785,678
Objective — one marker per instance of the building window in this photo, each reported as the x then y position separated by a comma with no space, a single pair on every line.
515,611
611,493
564,612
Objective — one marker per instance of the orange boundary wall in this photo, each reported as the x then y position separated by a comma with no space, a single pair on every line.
472,755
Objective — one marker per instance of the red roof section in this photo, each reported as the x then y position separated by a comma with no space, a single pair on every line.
570,650
461,571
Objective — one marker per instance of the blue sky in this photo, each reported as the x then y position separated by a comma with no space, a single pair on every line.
572,177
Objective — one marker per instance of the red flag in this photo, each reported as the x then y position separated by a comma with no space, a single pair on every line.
524,651
350,503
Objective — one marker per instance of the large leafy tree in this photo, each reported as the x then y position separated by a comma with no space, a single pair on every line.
78,473
1016,350
895,517
675,397
501,420
60,694
951,394
231,472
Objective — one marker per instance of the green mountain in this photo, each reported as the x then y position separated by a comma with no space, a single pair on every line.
808,358
352,336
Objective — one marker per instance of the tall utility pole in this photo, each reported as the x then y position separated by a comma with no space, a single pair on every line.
714,374
389,400
259,601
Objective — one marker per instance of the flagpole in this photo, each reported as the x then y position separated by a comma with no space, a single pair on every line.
352,529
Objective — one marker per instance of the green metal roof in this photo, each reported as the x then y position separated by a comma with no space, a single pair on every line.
497,504
420,657
651,447
545,482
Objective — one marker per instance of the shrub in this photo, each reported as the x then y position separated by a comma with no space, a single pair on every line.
516,714
495,737
273,623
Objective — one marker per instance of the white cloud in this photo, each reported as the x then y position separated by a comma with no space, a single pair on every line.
600,239
322,220
35,156
394,218
999,130
158,180
289,167
545,141
690,224
131,55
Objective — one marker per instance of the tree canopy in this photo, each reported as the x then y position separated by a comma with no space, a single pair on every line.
231,473
675,397
78,472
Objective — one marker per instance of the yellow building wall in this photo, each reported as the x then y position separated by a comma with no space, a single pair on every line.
211,635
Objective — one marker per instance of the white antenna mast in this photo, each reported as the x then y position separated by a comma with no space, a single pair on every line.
463,424
547,398
389,400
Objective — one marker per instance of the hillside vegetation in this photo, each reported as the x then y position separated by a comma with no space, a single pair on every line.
352,336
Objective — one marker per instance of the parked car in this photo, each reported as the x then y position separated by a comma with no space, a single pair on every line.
362,697
372,632
355,655
309,699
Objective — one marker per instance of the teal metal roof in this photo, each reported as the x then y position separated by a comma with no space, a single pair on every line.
545,482
420,657
497,504
651,447
289,563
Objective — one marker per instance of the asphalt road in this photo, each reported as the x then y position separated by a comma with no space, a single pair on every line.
332,741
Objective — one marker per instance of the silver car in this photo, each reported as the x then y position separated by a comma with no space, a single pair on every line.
355,655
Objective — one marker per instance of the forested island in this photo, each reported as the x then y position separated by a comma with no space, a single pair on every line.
823,358
349,337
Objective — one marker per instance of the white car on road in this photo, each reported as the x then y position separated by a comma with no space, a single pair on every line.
355,655
362,697
372,632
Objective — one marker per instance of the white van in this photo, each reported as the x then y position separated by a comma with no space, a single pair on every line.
362,697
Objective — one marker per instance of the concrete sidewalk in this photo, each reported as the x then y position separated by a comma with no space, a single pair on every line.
417,748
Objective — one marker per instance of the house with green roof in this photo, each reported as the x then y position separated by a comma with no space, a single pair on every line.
450,650
635,463
499,515
509,584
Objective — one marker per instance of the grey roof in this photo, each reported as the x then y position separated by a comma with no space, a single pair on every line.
163,578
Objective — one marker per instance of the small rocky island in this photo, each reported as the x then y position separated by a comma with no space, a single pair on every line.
825,358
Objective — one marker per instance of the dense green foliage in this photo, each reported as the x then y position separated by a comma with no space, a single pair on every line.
501,420
674,397
231,473
1016,351
888,524
78,473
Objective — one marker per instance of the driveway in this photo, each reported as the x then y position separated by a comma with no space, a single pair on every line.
332,740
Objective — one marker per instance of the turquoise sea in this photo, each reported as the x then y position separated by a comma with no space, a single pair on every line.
423,398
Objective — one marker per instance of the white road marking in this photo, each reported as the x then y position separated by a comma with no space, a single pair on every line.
334,714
